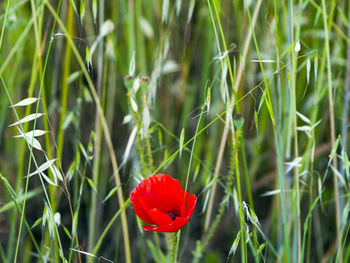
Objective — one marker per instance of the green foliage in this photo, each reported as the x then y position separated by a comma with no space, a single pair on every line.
244,102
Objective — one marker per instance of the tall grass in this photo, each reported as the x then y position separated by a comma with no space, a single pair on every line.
244,102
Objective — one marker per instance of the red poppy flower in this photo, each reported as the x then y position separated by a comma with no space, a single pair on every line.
160,200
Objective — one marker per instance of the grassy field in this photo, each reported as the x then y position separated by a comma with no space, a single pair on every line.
245,102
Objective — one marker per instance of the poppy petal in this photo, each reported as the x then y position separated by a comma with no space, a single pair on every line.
160,201
161,191
174,226
158,217
140,210
191,203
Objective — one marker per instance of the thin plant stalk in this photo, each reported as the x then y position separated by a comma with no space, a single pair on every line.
173,241
10,190
226,128
202,245
332,128
46,125
346,100
137,122
105,131
40,177
278,146
148,139
293,118
97,149
30,92
332,24
64,88
239,194
109,225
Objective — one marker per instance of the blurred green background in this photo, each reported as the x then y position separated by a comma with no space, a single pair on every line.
239,100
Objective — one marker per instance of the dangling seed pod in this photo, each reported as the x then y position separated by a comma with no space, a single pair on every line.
128,81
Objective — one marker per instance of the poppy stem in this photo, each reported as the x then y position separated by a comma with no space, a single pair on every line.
171,243
173,238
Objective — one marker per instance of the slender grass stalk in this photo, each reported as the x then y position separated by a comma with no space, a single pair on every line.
34,74
109,225
346,101
222,146
138,123
172,156
131,29
332,128
202,245
236,84
37,39
310,223
64,88
105,130
9,2
141,44
48,126
77,209
190,162
148,139
246,173
194,88
224,137
277,143
279,115
19,175
40,177
97,151
11,191
39,48
239,193
332,24
26,188
345,125
15,47
293,121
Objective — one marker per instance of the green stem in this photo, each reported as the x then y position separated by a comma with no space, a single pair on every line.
332,128
77,209
202,245
94,224
105,131
239,192
293,118
173,235
109,225
138,139
148,141
278,143
19,210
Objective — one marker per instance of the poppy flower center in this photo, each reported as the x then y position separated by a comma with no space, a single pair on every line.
171,215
